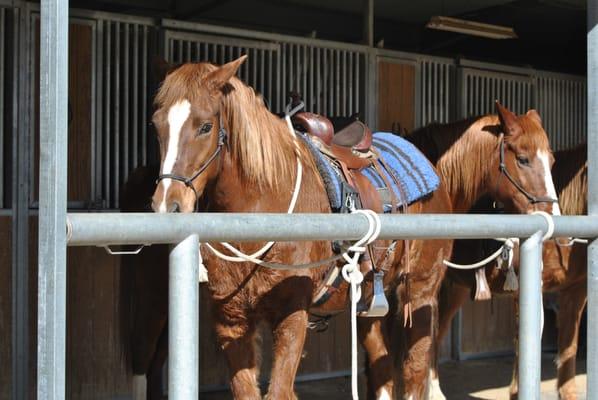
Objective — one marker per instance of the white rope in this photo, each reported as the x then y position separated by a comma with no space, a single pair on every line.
350,271
353,275
242,257
509,245
549,221
572,241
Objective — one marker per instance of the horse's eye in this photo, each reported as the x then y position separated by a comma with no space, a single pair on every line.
523,160
205,128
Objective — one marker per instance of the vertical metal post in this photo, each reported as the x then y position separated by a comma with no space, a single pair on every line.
52,200
530,324
21,126
183,320
368,22
592,356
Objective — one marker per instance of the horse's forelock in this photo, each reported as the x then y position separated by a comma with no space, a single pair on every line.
185,82
534,136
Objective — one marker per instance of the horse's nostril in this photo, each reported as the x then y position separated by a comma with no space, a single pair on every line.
175,208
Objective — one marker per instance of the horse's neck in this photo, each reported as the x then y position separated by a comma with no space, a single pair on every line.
466,167
232,193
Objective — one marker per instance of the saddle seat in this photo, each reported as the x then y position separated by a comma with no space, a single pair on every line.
352,144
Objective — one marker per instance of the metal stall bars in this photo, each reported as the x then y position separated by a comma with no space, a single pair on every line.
480,88
436,91
331,77
121,48
5,14
561,101
592,307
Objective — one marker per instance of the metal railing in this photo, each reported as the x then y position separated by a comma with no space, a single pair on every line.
188,230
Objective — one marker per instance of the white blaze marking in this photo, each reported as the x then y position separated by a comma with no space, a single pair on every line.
139,387
435,393
550,190
177,115
384,395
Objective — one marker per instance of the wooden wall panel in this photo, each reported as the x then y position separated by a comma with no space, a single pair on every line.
396,97
5,307
95,369
79,138
488,326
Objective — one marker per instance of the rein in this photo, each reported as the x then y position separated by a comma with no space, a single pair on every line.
188,182
504,171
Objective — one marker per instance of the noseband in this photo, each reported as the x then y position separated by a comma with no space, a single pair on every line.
503,170
189,181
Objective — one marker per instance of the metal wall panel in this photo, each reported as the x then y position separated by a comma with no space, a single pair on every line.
119,111
561,101
4,38
480,89
331,81
121,114
436,91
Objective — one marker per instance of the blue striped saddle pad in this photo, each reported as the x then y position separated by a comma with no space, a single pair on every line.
407,164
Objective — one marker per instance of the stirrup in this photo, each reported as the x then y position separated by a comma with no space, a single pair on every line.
379,304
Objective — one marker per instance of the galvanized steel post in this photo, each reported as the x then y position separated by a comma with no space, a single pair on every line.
530,311
183,320
592,309
52,200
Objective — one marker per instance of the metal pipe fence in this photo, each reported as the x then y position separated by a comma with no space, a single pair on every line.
51,326
104,229
88,229
188,229
592,126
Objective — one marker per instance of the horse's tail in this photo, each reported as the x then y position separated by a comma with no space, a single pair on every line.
135,197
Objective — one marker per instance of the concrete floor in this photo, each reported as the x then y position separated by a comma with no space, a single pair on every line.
475,379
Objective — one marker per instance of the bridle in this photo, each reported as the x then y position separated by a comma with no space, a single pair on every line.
188,182
504,171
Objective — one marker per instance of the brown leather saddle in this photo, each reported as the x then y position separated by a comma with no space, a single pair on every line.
351,150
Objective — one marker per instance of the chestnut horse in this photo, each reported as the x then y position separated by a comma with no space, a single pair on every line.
505,157
568,277
254,170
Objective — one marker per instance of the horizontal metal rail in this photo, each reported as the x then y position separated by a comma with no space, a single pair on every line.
146,228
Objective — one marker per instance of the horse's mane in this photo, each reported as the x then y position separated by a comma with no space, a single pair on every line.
460,150
456,150
259,141
570,176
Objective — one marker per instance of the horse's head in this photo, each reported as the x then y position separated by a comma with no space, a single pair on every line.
191,132
523,181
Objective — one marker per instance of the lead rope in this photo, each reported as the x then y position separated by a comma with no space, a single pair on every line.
547,235
353,275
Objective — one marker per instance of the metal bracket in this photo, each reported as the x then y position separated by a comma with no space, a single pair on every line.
136,251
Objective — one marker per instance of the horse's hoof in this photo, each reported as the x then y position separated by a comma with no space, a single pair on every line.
567,394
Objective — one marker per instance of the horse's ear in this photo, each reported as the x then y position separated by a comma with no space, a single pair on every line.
220,77
533,114
508,121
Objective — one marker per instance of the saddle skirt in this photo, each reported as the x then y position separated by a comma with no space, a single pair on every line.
404,165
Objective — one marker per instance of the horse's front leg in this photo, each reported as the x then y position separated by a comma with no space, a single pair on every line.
419,348
379,367
571,304
450,304
288,334
238,342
